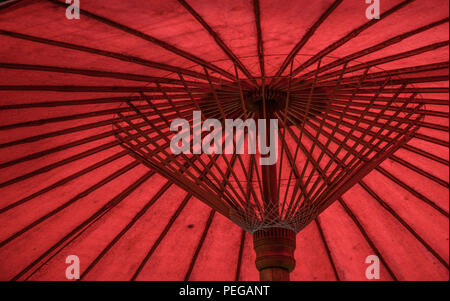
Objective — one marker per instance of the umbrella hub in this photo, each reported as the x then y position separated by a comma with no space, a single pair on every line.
274,249
305,98
275,100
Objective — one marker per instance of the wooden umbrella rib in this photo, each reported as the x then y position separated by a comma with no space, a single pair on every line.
172,174
430,90
223,115
47,152
219,41
158,164
338,109
108,206
65,180
293,167
335,191
38,122
79,196
97,73
361,129
152,40
207,167
214,163
240,255
327,249
161,236
391,58
283,135
411,190
420,171
396,72
109,54
306,195
392,41
60,163
66,88
431,139
438,102
349,37
158,149
398,81
392,157
366,146
43,121
88,101
9,3
66,146
135,219
302,128
367,238
380,61
423,124
320,130
426,154
70,159
205,195
290,58
259,38
317,168
352,117
338,142
202,114
340,103
388,208
199,245
75,129
63,103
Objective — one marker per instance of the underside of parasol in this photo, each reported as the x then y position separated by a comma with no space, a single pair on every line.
361,113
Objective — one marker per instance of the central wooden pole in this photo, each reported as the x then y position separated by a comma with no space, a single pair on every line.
274,249
269,172
274,246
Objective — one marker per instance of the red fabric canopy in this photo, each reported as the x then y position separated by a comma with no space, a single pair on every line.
68,188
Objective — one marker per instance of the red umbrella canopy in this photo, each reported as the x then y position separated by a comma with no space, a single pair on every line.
85,105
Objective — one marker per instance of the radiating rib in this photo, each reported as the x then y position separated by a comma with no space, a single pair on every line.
153,40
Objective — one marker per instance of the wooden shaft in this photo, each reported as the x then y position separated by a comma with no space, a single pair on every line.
274,274
269,172
274,249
